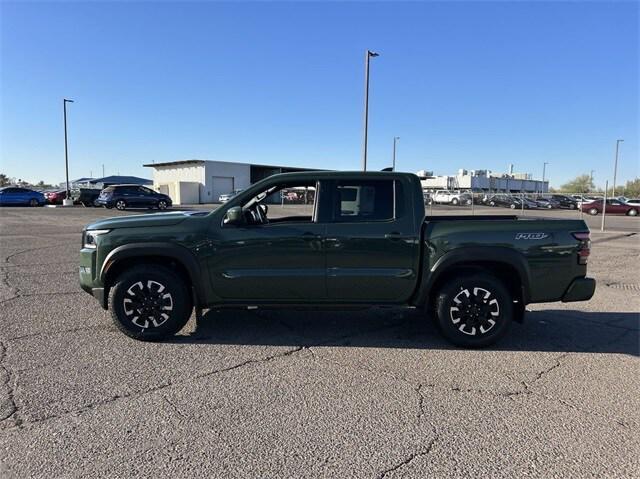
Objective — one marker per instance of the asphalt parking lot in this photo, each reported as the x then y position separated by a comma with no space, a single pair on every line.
363,394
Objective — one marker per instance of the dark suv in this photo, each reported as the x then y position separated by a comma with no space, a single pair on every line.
132,196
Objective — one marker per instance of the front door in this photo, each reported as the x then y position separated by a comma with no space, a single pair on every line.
282,260
372,242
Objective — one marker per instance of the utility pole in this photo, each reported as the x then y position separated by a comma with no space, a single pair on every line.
395,139
615,168
103,170
368,55
544,169
67,199
591,179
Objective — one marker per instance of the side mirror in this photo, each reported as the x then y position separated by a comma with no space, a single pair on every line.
234,215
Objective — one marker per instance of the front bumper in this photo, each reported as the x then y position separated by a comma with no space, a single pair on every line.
580,289
104,202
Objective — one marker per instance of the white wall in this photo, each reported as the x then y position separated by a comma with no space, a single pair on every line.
202,175
188,192
241,173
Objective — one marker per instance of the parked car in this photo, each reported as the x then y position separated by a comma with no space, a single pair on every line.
633,201
55,197
565,201
122,197
448,197
586,199
85,196
510,201
614,207
15,195
546,202
367,242
227,196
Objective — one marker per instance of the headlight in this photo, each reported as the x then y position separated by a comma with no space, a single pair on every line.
90,237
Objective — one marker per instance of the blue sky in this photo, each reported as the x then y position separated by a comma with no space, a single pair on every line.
465,85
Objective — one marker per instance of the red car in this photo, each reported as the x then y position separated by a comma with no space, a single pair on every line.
55,197
614,207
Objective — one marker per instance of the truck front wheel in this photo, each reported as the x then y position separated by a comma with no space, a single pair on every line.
150,303
474,310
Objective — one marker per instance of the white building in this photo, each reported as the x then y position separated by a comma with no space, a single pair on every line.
483,180
203,181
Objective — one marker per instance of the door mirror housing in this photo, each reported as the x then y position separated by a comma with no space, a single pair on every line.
234,216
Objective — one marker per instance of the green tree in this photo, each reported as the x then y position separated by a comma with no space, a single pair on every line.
4,179
580,184
632,188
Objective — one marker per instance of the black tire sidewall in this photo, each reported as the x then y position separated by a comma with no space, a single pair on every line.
445,299
174,284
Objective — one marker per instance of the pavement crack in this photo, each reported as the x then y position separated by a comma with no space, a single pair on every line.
12,408
173,406
159,387
410,458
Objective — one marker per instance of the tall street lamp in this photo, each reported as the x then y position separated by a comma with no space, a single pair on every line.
544,169
367,57
395,140
591,179
67,199
615,167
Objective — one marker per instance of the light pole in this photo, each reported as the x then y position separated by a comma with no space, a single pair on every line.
368,55
395,139
591,179
67,201
615,167
544,169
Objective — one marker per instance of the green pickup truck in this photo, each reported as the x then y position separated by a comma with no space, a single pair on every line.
360,239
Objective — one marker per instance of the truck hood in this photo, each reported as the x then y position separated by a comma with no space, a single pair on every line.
137,221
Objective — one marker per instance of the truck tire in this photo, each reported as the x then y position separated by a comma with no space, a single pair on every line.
150,303
474,310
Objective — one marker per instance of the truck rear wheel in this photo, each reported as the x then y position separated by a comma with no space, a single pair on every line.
474,310
150,303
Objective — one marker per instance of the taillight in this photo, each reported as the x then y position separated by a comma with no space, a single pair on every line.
584,247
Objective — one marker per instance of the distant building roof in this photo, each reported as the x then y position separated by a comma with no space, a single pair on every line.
202,162
81,180
118,180
175,163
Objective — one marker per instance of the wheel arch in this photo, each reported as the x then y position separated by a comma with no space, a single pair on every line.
174,257
505,264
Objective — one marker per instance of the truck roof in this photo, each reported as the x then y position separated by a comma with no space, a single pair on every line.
340,174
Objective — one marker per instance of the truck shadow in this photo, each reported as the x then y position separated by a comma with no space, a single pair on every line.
549,330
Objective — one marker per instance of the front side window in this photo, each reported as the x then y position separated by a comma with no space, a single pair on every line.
282,203
368,200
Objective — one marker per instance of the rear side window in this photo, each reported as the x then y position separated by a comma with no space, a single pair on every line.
367,200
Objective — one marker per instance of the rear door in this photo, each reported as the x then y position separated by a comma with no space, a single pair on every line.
371,242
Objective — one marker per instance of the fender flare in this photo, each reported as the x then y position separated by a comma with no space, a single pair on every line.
475,254
172,251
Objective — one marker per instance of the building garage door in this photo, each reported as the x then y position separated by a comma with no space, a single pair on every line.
222,185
